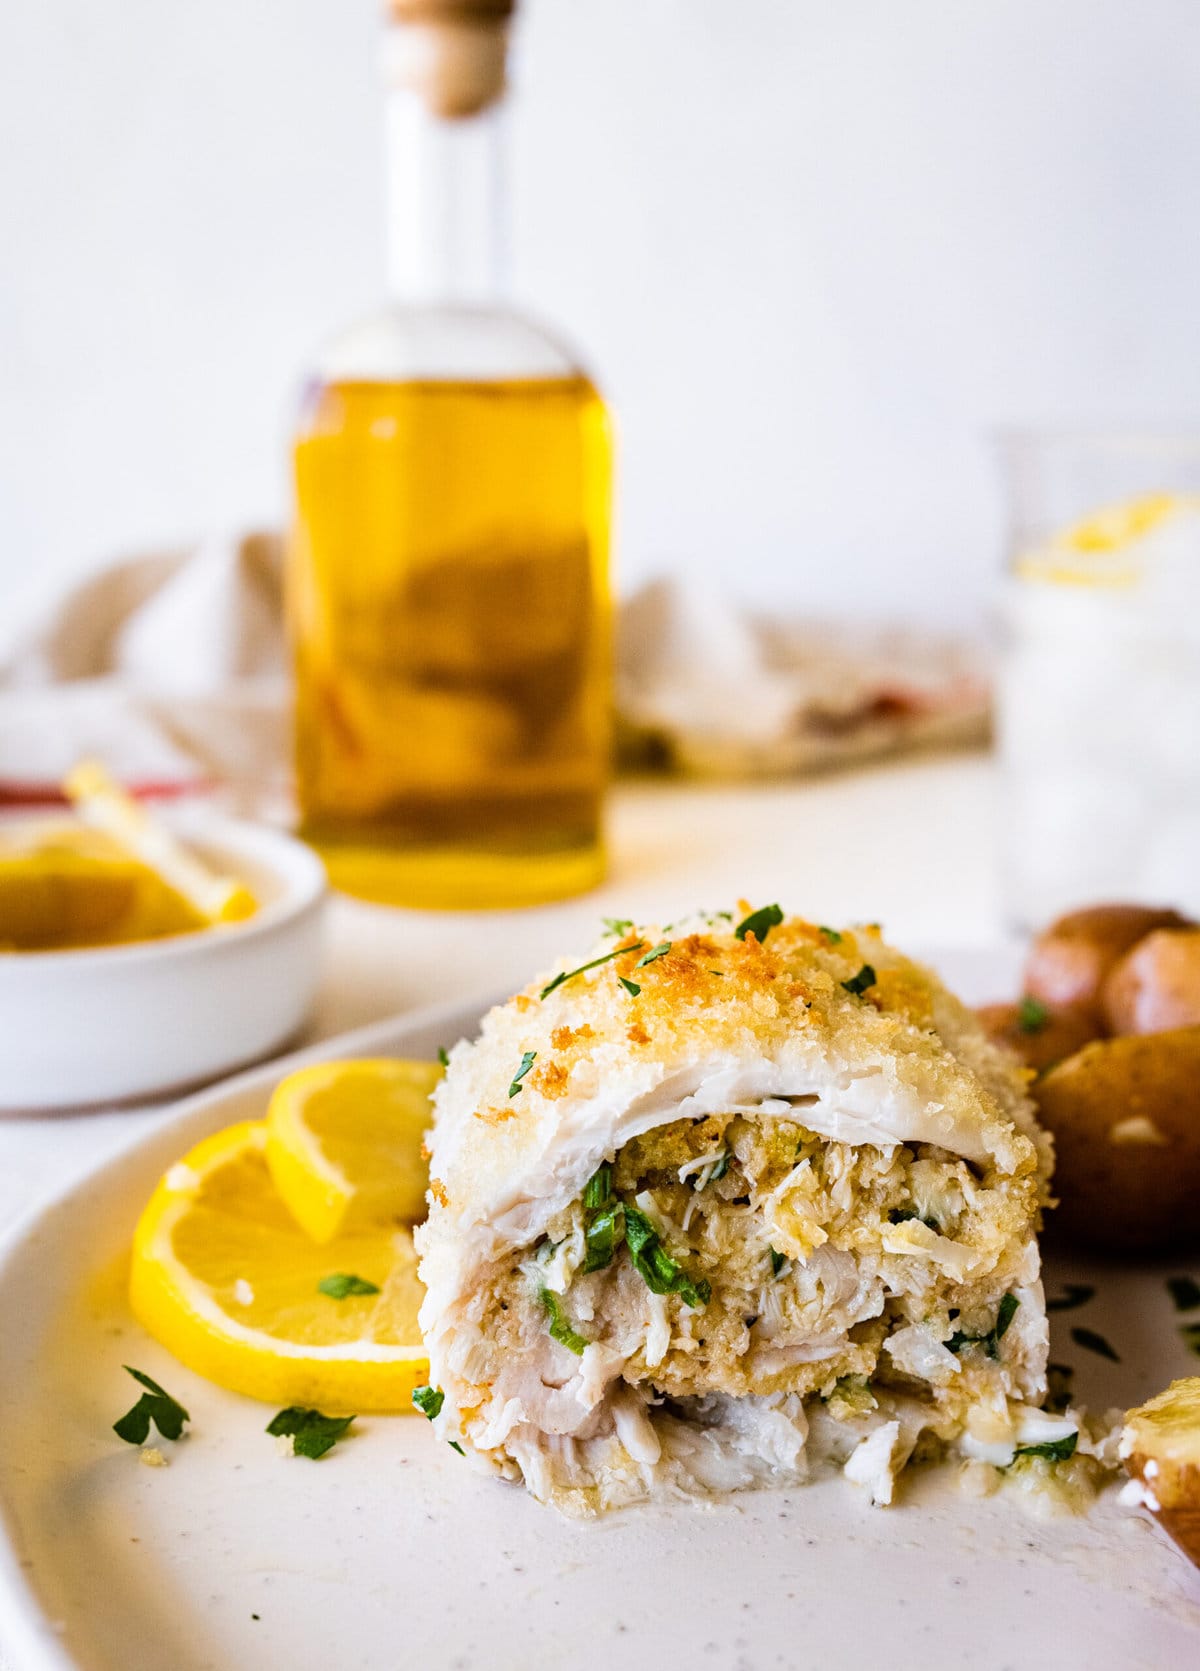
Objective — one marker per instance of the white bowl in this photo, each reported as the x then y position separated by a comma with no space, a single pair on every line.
115,1023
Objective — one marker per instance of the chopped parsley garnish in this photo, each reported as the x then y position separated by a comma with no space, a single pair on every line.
1191,1337
655,952
342,1284
1005,1312
720,1169
858,984
618,925
443,1056
570,974
603,1235
1054,1450
560,1328
155,1405
598,1190
778,1260
1185,1291
631,987
455,1446
1032,1015
831,935
1074,1294
654,1264
527,1061
311,1432
901,1215
759,923
429,1401
1093,1342
603,1221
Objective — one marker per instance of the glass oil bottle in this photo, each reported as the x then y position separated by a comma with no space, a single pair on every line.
449,603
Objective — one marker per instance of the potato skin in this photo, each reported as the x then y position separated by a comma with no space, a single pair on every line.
1061,1034
1069,960
1155,987
1142,1191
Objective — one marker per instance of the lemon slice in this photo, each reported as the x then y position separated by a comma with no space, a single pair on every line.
105,806
345,1142
227,1281
69,888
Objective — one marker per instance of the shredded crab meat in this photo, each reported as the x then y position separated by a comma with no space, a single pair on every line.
844,1278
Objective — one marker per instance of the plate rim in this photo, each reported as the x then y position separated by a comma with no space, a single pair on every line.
29,1633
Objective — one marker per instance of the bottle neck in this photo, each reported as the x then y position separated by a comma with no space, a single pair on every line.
446,209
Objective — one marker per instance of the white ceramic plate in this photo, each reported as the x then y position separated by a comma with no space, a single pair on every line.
392,1552
115,1023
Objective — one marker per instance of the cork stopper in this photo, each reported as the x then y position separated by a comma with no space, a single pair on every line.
451,52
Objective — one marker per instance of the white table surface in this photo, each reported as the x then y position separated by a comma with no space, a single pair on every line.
907,845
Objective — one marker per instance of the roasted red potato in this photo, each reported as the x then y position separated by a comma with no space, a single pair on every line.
1069,961
1125,1114
1155,987
1041,1037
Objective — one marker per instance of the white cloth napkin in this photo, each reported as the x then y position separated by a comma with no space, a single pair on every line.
709,689
171,668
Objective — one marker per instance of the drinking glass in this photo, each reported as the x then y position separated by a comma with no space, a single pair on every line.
1099,694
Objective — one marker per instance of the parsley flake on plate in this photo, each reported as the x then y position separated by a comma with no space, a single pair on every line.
631,987
342,1284
759,923
831,935
443,1056
858,984
778,1260
1185,1291
1074,1294
653,955
618,925
312,1433
527,1061
155,1405
1093,1342
1058,1383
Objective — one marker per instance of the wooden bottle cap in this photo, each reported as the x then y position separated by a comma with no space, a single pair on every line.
452,52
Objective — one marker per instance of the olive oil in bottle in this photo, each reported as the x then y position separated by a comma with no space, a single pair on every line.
448,578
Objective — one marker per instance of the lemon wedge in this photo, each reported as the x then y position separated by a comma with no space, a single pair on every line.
224,1277
105,806
60,893
345,1143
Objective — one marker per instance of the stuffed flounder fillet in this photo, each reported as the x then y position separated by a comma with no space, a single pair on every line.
712,1204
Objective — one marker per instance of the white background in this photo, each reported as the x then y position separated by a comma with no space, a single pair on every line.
813,250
